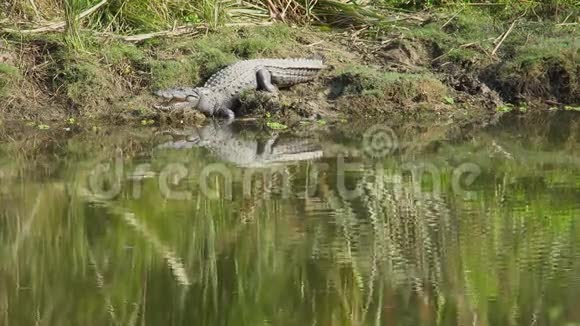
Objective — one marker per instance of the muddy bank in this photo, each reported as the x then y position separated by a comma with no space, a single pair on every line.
438,75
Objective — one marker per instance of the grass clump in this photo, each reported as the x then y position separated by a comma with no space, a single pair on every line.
362,80
119,53
545,68
473,25
468,37
497,8
250,43
365,81
8,74
89,85
253,47
169,73
561,48
211,58
72,35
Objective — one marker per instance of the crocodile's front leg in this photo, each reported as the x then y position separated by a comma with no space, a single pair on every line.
265,81
270,143
227,113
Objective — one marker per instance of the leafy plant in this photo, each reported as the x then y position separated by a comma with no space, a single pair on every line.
147,122
505,108
276,125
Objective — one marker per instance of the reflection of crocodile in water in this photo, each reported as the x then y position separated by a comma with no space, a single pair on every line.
224,141
220,93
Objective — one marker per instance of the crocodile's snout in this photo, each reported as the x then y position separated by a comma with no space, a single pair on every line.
167,94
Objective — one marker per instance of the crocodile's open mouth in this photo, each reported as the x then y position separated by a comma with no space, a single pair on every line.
171,97
179,94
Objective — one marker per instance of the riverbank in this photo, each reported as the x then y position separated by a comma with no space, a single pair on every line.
461,71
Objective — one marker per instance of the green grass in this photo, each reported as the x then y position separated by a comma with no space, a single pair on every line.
496,7
212,57
170,73
106,69
85,81
7,75
363,80
541,66
141,16
73,8
118,53
564,48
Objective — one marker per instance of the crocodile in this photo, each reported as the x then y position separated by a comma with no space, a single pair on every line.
221,92
224,141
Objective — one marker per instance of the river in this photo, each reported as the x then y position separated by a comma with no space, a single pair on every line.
227,225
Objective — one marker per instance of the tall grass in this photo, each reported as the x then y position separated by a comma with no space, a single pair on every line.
136,16
72,9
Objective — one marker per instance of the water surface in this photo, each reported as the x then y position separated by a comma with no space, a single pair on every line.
230,226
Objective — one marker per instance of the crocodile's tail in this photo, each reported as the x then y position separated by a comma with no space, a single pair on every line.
286,72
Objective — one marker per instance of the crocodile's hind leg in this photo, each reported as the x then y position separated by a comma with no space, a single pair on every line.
265,81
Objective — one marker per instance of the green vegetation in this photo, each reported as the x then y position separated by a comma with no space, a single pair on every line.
362,80
7,75
101,77
120,53
72,9
167,73
140,16
83,79
496,255
276,125
544,67
88,65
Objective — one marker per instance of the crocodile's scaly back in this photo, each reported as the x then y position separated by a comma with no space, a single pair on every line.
234,75
284,72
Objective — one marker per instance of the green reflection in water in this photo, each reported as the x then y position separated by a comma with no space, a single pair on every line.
288,242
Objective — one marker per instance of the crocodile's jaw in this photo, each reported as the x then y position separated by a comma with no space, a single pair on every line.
180,95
